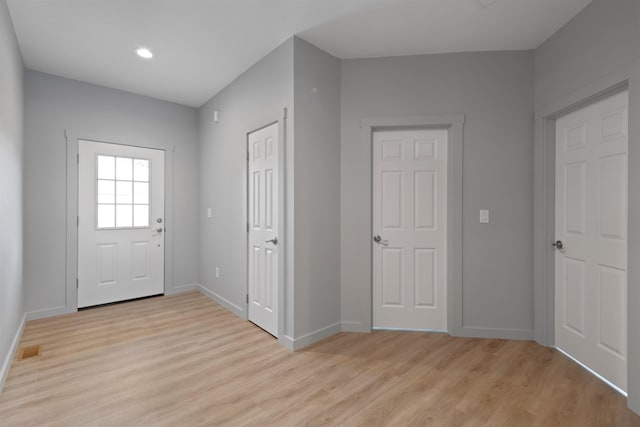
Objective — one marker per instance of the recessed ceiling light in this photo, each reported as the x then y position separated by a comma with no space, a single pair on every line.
145,53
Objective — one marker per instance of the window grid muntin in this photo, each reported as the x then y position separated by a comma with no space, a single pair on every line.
135,179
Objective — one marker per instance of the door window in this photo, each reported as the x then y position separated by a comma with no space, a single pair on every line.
122,195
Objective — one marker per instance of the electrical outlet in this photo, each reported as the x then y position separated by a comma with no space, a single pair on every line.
484,216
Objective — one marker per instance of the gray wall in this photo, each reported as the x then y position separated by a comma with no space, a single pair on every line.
11,193
253,100
53,104
495,93
601,43
317,190
600,39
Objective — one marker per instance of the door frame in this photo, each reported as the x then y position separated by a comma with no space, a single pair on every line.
282,216
454,123
626,78
71,270
545,207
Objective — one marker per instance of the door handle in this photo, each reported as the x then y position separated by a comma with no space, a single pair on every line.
558,244
159,230
379,240
274,241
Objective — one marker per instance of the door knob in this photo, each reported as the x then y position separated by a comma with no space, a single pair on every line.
274,241
558,244
379,240
159,230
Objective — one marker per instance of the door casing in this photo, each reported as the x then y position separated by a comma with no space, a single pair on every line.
582,248
454,123
283,163
545,211
72,137
625,78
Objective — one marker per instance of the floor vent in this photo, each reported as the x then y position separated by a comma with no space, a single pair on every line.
29,352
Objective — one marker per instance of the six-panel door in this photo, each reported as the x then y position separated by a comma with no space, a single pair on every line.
263,228
409,216
591,221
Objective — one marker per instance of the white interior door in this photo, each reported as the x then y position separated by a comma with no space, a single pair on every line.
591,224
263,146
410,229
120,223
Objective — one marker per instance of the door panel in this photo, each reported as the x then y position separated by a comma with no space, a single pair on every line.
263,219
424,264
591,221
392,277
409,216
120,222
392,200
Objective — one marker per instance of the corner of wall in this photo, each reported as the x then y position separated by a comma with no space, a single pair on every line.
6,364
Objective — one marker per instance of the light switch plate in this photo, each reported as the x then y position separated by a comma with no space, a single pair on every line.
484,216
209,213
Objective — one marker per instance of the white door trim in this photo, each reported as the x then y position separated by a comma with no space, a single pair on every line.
455,125
283,237
545,208
71,297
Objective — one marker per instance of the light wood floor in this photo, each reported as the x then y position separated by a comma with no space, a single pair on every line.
183,361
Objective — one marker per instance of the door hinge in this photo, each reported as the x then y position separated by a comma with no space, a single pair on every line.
77,283
247,298
247,227
78,220
247,156
78,158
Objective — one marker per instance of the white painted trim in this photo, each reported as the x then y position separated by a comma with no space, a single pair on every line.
182,288
49,312
6,364
287,342
306,340
497,333
427,331
238,311
355,327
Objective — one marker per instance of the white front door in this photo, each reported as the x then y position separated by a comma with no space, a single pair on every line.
410,229
263,146
591,224
120,223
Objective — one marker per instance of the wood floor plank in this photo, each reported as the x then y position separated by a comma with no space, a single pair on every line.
185,361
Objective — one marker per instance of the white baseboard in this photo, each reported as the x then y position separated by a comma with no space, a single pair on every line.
497,333
312,337
287,342
48,312
355,327
235,309
182,288
6,364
